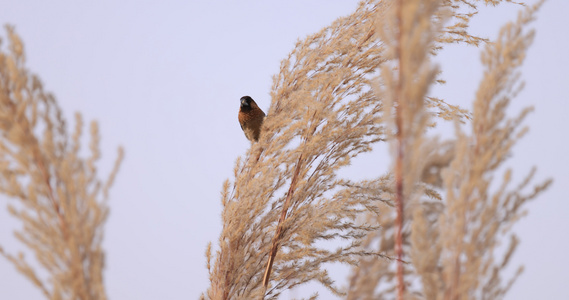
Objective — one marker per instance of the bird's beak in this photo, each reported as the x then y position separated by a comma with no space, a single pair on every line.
244,102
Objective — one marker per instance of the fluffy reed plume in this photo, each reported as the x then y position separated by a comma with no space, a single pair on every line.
450,242
57,195
475,217
286,198
322,114
408,30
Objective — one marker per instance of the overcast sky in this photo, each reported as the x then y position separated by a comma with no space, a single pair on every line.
163,78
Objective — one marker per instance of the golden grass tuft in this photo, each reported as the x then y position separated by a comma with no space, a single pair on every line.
328,105
428,228
58,198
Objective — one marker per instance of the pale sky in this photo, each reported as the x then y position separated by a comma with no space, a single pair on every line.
164,78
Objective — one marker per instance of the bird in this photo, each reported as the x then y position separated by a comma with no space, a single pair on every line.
250,118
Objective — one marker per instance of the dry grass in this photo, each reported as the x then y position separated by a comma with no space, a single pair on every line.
452,222
327,108
429,228
57,195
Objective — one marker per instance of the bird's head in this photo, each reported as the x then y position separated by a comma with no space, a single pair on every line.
246,102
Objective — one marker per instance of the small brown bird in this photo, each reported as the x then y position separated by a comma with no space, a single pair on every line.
250,118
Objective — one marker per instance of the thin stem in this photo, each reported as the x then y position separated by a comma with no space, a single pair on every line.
399,199
278,233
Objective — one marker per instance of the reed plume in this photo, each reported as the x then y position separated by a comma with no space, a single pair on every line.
453,221
57,195
427,228
326,108
286,198
476,217
322,114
